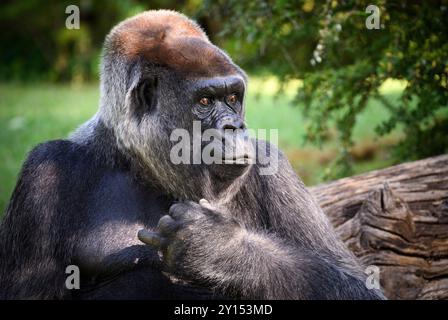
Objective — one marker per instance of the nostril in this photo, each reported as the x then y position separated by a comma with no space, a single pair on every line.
233,125
229,126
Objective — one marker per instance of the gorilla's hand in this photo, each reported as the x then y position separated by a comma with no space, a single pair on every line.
189,235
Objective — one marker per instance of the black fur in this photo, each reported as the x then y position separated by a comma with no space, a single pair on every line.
66,191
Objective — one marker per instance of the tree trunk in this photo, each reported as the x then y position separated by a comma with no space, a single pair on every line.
396,219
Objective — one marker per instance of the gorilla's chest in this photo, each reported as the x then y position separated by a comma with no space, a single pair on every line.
119,198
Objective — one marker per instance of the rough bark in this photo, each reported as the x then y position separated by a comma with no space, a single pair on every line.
396,219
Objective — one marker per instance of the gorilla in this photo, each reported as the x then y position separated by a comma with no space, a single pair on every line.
110,201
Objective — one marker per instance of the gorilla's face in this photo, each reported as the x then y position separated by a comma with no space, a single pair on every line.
218,104
211,109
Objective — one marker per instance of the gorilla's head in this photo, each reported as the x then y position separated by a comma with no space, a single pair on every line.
160,73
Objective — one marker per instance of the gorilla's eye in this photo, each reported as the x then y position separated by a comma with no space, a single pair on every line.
205,101
232,99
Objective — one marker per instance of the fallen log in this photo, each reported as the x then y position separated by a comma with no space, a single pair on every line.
396,219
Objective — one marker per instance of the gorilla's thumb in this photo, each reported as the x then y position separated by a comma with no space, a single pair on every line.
151,238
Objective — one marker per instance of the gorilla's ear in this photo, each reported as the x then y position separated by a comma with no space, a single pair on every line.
142,94
145,94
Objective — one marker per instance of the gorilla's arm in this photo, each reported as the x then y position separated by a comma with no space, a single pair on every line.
293,256
34,253
205,246
50,224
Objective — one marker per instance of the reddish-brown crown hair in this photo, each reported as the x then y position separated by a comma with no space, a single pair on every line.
169,38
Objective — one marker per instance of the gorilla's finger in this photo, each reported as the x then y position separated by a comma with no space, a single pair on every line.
175,210
206,204
151,238
182,210
167,225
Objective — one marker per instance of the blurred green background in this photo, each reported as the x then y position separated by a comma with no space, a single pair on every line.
344,98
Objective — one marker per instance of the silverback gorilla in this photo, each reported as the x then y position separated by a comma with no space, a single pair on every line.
110,201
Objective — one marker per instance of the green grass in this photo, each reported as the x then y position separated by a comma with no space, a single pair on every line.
30,114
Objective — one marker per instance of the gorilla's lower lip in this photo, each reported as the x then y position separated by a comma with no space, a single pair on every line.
241,160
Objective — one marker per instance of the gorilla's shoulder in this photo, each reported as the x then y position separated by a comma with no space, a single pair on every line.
57,151
63,158
52,171
266,148
272,164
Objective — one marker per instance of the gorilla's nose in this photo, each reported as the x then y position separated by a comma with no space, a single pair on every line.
232,123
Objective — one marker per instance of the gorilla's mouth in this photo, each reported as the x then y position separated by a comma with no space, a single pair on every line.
231,151
243,159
